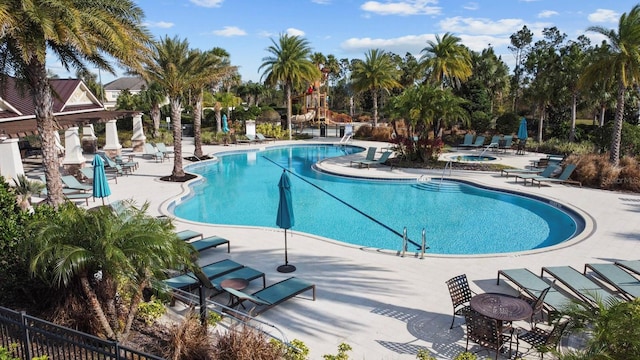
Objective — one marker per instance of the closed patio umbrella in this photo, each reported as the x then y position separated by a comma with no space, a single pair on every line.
100,186
285,218
225,125
522,130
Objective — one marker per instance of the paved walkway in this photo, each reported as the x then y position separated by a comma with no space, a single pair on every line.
383,305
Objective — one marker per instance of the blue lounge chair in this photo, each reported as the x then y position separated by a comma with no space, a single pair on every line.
151,151
515,172
631,265
186,235
383,158
210,242
72,183
506,143
371,153
583,287
166,153
533,286
479,142
263,138
627,284
468,140
563,178
87,172
273,294
547,172
190,281
114,166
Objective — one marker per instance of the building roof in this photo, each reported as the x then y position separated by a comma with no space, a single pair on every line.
126,83
73,105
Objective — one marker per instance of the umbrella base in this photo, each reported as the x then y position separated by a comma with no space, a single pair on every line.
286,268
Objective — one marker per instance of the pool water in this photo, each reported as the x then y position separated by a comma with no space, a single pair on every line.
242,189
473,158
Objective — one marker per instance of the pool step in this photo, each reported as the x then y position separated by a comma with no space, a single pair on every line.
437,185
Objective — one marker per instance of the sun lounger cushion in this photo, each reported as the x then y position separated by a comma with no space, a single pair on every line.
533,285
186,235
631,265
210,242
585,288
274,294
212,271
620,279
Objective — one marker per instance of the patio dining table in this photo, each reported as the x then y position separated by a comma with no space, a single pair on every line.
501,307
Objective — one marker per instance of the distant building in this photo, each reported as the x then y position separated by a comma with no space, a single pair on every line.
113,89
73,105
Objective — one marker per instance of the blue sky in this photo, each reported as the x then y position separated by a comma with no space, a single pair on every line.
348,28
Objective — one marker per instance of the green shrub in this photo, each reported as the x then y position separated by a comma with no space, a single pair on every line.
424,354
480,121
466,356
297,351
562,147
343,348
272,130
629,142
151,311
507,123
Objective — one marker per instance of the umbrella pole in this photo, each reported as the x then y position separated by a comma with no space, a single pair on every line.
286,268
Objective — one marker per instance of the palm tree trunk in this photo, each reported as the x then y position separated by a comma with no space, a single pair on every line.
218,117
288,92
616,136
43,103
133,309
572,133
197,122
155,116
97,308
374,92
603,110
541,124
176,119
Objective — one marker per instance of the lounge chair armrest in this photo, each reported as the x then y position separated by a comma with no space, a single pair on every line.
244,296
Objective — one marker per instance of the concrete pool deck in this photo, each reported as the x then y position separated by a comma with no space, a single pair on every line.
383,305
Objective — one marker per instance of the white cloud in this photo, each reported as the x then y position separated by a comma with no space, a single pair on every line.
547,14
229,31
400,45
481,26
208,3
321,2
604,15
159,24
471,6
294,32
265,33
406,7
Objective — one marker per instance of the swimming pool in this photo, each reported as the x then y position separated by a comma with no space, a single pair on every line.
241,189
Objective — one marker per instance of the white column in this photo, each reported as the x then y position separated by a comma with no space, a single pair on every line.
73,153
251,127
112,146
89,139
10,161
138,138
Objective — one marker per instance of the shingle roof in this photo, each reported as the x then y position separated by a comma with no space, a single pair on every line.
126,83
17,112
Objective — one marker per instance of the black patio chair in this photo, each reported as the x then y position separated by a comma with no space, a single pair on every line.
461,294
487,333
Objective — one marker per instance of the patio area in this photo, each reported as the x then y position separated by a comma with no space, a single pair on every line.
383,305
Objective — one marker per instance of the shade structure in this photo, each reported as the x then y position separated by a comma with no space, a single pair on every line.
285,218
522,130
100,186
225,125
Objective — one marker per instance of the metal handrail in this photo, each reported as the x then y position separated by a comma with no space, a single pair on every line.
404,241
449,165
424,243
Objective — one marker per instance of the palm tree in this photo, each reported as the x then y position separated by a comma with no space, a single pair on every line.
109,257
288,64
377,72
623,64
172,68
76,32
447,61
212,66
154,95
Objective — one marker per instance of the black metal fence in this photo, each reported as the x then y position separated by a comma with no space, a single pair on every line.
30,337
